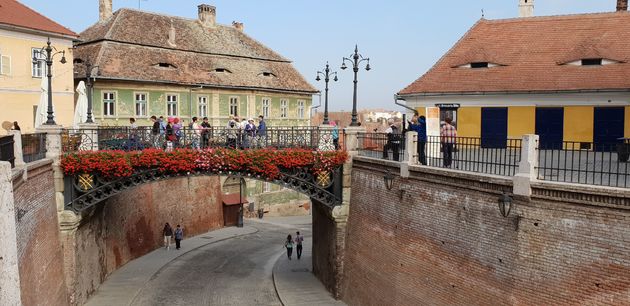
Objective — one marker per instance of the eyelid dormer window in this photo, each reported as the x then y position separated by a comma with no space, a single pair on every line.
478,65
222,70
165,65
592,62
267,74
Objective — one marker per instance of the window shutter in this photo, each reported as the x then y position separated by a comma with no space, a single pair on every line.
5,65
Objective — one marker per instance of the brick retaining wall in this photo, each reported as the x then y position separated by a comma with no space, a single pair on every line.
445,243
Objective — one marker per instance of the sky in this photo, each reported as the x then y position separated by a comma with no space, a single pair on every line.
402,38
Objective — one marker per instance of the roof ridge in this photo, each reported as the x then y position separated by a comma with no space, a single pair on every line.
457,43
556,17
36,12
116,16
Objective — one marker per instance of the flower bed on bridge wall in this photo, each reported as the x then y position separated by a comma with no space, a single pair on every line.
264,162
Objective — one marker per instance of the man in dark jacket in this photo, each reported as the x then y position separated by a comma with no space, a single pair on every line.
419,125
393,142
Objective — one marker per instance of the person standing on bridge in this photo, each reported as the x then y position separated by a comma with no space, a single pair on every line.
298,242
179,235
448,138
289,245
167,232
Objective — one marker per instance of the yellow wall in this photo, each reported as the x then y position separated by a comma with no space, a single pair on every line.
469,122
422,111
20,91
521,121
578,123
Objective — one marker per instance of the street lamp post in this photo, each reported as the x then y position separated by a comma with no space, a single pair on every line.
355,59
90,85
327,74
49,61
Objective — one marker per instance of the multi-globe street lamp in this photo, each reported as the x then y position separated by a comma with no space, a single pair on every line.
90,77
326,74
355,59
49,61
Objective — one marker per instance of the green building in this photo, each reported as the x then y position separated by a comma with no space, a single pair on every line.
151,64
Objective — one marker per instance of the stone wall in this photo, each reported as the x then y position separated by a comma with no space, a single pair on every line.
130,224
437,238
39,251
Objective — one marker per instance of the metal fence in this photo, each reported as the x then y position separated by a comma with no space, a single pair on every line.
128,139
381,145
6,149
33,147
470,154
586,163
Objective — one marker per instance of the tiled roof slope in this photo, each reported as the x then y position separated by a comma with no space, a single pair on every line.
130,45
533,53
17,14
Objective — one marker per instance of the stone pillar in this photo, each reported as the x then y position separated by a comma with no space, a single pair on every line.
411,147
527,167
352,140
9,272
17,147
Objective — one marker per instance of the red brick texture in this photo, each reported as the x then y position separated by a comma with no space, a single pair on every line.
328,248
130,224
39,251
445,243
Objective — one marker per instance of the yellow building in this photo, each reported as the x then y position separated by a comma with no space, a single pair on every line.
565,78
23,32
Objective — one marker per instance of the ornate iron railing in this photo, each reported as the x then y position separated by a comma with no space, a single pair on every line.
33,147
128,139
6,149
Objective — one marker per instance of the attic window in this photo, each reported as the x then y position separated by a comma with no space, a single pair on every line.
165,65
77,61
592,62
479,65
268,74
222,70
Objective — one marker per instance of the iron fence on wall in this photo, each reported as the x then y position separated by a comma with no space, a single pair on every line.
33,147
498,157
381,145
586,163
129,139
6,149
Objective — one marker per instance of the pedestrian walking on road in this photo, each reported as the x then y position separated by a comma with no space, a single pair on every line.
167,232
289,245
298,242
179,235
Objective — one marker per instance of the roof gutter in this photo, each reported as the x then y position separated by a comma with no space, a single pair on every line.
524,92
39,32
397,98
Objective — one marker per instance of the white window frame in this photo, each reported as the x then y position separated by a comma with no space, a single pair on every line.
233,106
4,59
284,108
266,104
172,105
38,69
106,101
202,106
145,102
301,106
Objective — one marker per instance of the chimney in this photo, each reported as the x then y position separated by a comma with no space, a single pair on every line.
238,25
104,10
526,8
207,15
622,5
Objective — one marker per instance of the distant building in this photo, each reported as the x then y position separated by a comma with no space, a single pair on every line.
155,64
565,78
23,32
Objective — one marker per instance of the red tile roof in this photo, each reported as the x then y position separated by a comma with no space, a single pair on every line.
17,14
532,54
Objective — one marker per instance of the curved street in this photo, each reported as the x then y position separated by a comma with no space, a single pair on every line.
229,266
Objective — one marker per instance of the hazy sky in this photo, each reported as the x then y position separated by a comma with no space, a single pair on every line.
402,38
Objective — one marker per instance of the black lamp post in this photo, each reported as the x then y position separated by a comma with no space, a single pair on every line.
327,73
355,59
89,79
49,61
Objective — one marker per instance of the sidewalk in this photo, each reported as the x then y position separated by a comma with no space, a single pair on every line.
294,280
123,286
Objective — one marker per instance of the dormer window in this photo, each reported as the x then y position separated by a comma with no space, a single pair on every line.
267,74
478,65
222,70
592,62
165,65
